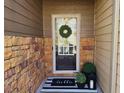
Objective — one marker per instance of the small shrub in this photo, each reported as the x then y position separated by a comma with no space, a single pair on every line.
80,78
89,68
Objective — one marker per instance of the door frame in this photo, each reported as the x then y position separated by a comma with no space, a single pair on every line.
78,43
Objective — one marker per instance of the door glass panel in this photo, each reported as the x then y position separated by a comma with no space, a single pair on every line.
66,45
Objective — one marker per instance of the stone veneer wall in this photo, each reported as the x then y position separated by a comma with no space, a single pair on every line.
23,66
86,54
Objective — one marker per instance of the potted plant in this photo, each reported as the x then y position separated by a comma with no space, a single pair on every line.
89,68
80,80
90,71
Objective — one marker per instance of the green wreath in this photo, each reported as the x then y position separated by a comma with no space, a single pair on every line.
65,31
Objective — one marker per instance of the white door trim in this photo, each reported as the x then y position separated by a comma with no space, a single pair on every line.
78,42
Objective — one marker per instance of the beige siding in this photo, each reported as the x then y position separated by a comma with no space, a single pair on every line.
23,17
83,7
103,38
118,66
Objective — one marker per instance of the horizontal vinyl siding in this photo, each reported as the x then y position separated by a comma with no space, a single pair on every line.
103,38
23,17
83,7
105,30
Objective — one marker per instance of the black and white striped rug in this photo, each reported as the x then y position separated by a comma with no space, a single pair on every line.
47,86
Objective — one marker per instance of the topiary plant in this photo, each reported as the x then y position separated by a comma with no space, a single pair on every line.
89,68
80,78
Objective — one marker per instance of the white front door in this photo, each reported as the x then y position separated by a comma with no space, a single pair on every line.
66,38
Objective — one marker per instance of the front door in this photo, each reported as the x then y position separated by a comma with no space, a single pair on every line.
65,43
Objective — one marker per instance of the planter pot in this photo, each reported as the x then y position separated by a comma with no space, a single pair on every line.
93,77
80,85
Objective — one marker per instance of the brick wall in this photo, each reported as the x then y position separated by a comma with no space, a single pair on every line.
23,64
86,50
86,54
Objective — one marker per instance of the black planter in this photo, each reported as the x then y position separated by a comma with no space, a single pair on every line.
91,76
80,85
